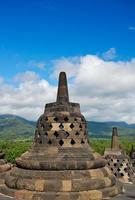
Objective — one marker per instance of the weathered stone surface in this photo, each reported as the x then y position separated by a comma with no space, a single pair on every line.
4,167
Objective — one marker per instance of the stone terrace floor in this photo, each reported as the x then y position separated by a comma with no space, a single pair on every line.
128,195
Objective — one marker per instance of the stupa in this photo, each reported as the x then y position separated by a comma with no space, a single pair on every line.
132,157
118,160
4,167
61,165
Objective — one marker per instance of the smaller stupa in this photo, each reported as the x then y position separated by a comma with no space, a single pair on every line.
4,167
132,157
118,160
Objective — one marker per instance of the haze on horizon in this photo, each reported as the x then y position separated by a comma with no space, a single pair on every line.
92,41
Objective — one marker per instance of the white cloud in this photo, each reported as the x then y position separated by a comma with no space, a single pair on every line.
28,98
28,76
105,89
1,80
33,63
70,66
132,28
110,54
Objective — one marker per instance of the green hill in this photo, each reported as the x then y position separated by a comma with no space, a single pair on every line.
104,129
15,127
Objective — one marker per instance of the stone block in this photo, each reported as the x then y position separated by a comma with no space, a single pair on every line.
67,185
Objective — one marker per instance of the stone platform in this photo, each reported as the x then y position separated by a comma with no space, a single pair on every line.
129,194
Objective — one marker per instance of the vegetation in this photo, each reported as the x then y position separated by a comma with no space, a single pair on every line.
15,148
100,145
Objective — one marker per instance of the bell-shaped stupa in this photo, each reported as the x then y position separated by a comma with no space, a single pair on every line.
118,161
132,157
61,164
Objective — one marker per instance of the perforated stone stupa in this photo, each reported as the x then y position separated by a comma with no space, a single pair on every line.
118,162
132,157
61,165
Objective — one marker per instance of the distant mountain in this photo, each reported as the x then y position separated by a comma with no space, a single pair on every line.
15,127
104,129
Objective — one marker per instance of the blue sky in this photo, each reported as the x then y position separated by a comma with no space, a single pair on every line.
92,40
45,30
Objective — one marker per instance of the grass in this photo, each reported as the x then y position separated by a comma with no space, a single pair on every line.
100,145
14,149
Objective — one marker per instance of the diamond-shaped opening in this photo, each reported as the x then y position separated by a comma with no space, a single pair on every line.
46,133
72,142
46,119
80,126
77,133
118,161
112,169
121,165
75,119
56,134
115,164
125,169
121,174
61,126
67,134
82,119
50,125
118,169
72,126
115,174
66,119
82,141
56,119
49,142
61,142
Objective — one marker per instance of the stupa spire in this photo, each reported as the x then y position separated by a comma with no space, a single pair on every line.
62,94
115,139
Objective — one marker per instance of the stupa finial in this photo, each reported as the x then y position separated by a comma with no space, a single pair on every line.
62,94
115,139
